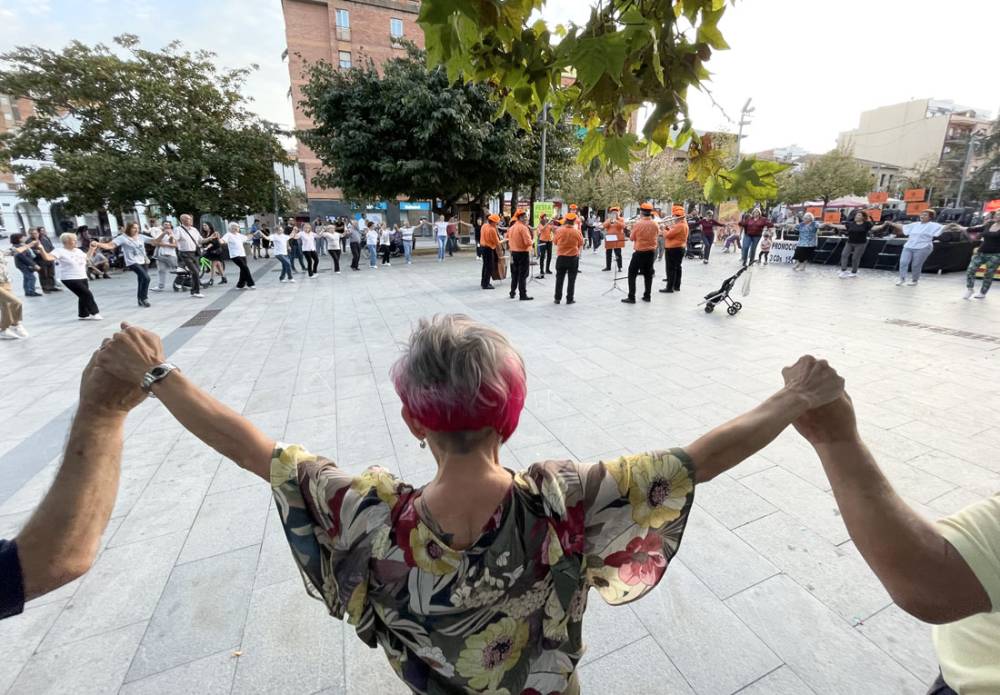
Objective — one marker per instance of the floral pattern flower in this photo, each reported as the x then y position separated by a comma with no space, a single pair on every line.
642,561
430,554
488,655
658,491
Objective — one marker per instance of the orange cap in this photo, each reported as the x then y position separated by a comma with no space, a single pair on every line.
646,206
494,218
520,213
677,211
570,216
614,209
572,206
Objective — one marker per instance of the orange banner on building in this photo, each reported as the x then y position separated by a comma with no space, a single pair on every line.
914,195
991,205
874,214
815,212
916,208
877,197
832,216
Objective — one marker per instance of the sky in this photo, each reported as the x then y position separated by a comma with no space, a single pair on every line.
810,66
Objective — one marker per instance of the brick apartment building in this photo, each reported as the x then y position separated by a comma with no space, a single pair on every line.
342,32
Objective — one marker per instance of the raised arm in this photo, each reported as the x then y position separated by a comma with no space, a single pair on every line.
134,351
831,225
809,383
919,568
60,541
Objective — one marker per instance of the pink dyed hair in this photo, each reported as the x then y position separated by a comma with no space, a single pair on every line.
458,375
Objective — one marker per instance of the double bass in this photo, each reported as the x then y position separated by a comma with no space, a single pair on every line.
500,262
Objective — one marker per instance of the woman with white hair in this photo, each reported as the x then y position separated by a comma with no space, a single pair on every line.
73,273
235,241
805,248
479,580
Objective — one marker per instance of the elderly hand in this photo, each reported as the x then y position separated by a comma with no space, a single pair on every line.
131,353
833,422
100,390
814,381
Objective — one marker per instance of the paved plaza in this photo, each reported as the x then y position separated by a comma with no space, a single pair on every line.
195,590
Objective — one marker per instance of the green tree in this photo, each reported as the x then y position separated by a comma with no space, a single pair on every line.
978,186
163,126
829,176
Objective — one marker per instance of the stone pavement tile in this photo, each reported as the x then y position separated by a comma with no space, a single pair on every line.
189,460
229,476
275,564
584,438
812,507
131,484
731,502
367,670
287,627
161,509
312,432
953,501
227,521
913,482
719,557
201,612
122,588
532,430
264,400
315,404
755,464
640,667
94,665
836,575
905,639
356,385
782,681
364,441
212,675
820,647
31,493
608,628
270,422
964,474
703,638
545,451
20,635
547,403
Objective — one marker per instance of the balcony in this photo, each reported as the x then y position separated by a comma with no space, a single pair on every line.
343,33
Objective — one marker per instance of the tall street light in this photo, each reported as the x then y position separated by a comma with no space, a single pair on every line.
973,141
745,114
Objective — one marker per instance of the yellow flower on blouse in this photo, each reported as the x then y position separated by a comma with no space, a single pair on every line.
379,480
283,468
489,654
430,555
658,491
356,604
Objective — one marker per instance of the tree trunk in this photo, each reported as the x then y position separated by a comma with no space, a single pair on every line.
531,205
513,199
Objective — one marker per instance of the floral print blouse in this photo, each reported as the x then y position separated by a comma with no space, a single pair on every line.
504,615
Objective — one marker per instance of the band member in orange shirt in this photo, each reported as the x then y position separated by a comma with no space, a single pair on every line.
519,242
613,228
569,241
644,233
676,246
489,244
544,232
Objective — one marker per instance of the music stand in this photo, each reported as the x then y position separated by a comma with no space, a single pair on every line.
614,282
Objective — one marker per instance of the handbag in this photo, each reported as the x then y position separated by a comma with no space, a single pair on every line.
500,266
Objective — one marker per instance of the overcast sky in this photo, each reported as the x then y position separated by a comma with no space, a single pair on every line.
811,66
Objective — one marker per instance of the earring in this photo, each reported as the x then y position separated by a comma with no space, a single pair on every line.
423,443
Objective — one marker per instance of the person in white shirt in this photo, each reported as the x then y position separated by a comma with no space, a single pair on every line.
407,233
73,273
133,248
371,241
189,241
441,234
333,237
385,245
279,243
307,237
166,252
235,241
919,245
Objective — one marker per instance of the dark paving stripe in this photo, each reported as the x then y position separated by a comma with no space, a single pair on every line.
20,464
943,330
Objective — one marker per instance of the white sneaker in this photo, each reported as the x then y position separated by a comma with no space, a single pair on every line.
389,264
968,293
96,317
282,280
842,274
852,275
253,287
290,280
336,272
198,295
911,283
156,289
19,330
9,334
899,282
979,295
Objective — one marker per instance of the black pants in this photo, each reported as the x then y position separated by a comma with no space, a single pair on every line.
312,262
707,246
355,254
188,260
674,259
46,275
489,260
335,254
641,264
566,265
85,304
607,258
246,279
386,252
544,257
520,266
295,254
142,280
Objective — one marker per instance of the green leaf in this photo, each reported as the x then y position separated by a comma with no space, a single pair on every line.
592,146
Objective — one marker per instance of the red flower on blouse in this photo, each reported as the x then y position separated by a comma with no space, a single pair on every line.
570,529
642,561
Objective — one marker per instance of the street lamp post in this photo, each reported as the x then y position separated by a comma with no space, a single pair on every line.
541,175
746,111
973,141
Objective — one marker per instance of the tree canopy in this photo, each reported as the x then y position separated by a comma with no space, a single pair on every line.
110,129
408,130
829,176
626,55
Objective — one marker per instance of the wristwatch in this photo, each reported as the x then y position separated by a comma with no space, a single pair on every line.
157,373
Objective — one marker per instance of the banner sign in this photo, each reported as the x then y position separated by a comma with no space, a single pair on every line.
914,195
544,208
816,212
832,216
878,197
874,214
414,205
992,205
916,208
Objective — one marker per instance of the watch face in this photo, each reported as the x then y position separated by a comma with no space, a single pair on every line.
157,372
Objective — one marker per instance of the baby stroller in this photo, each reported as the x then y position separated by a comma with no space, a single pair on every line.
722,295
182,277
696,245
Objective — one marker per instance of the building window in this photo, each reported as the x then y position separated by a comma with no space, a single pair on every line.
396,28
344,58
343,25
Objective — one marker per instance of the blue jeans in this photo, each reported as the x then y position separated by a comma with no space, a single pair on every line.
286,267
750,247
29,282
407,250
142,279
372,255
442,240
914,260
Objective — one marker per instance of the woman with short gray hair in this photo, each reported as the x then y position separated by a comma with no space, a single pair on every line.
236,241
477,581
